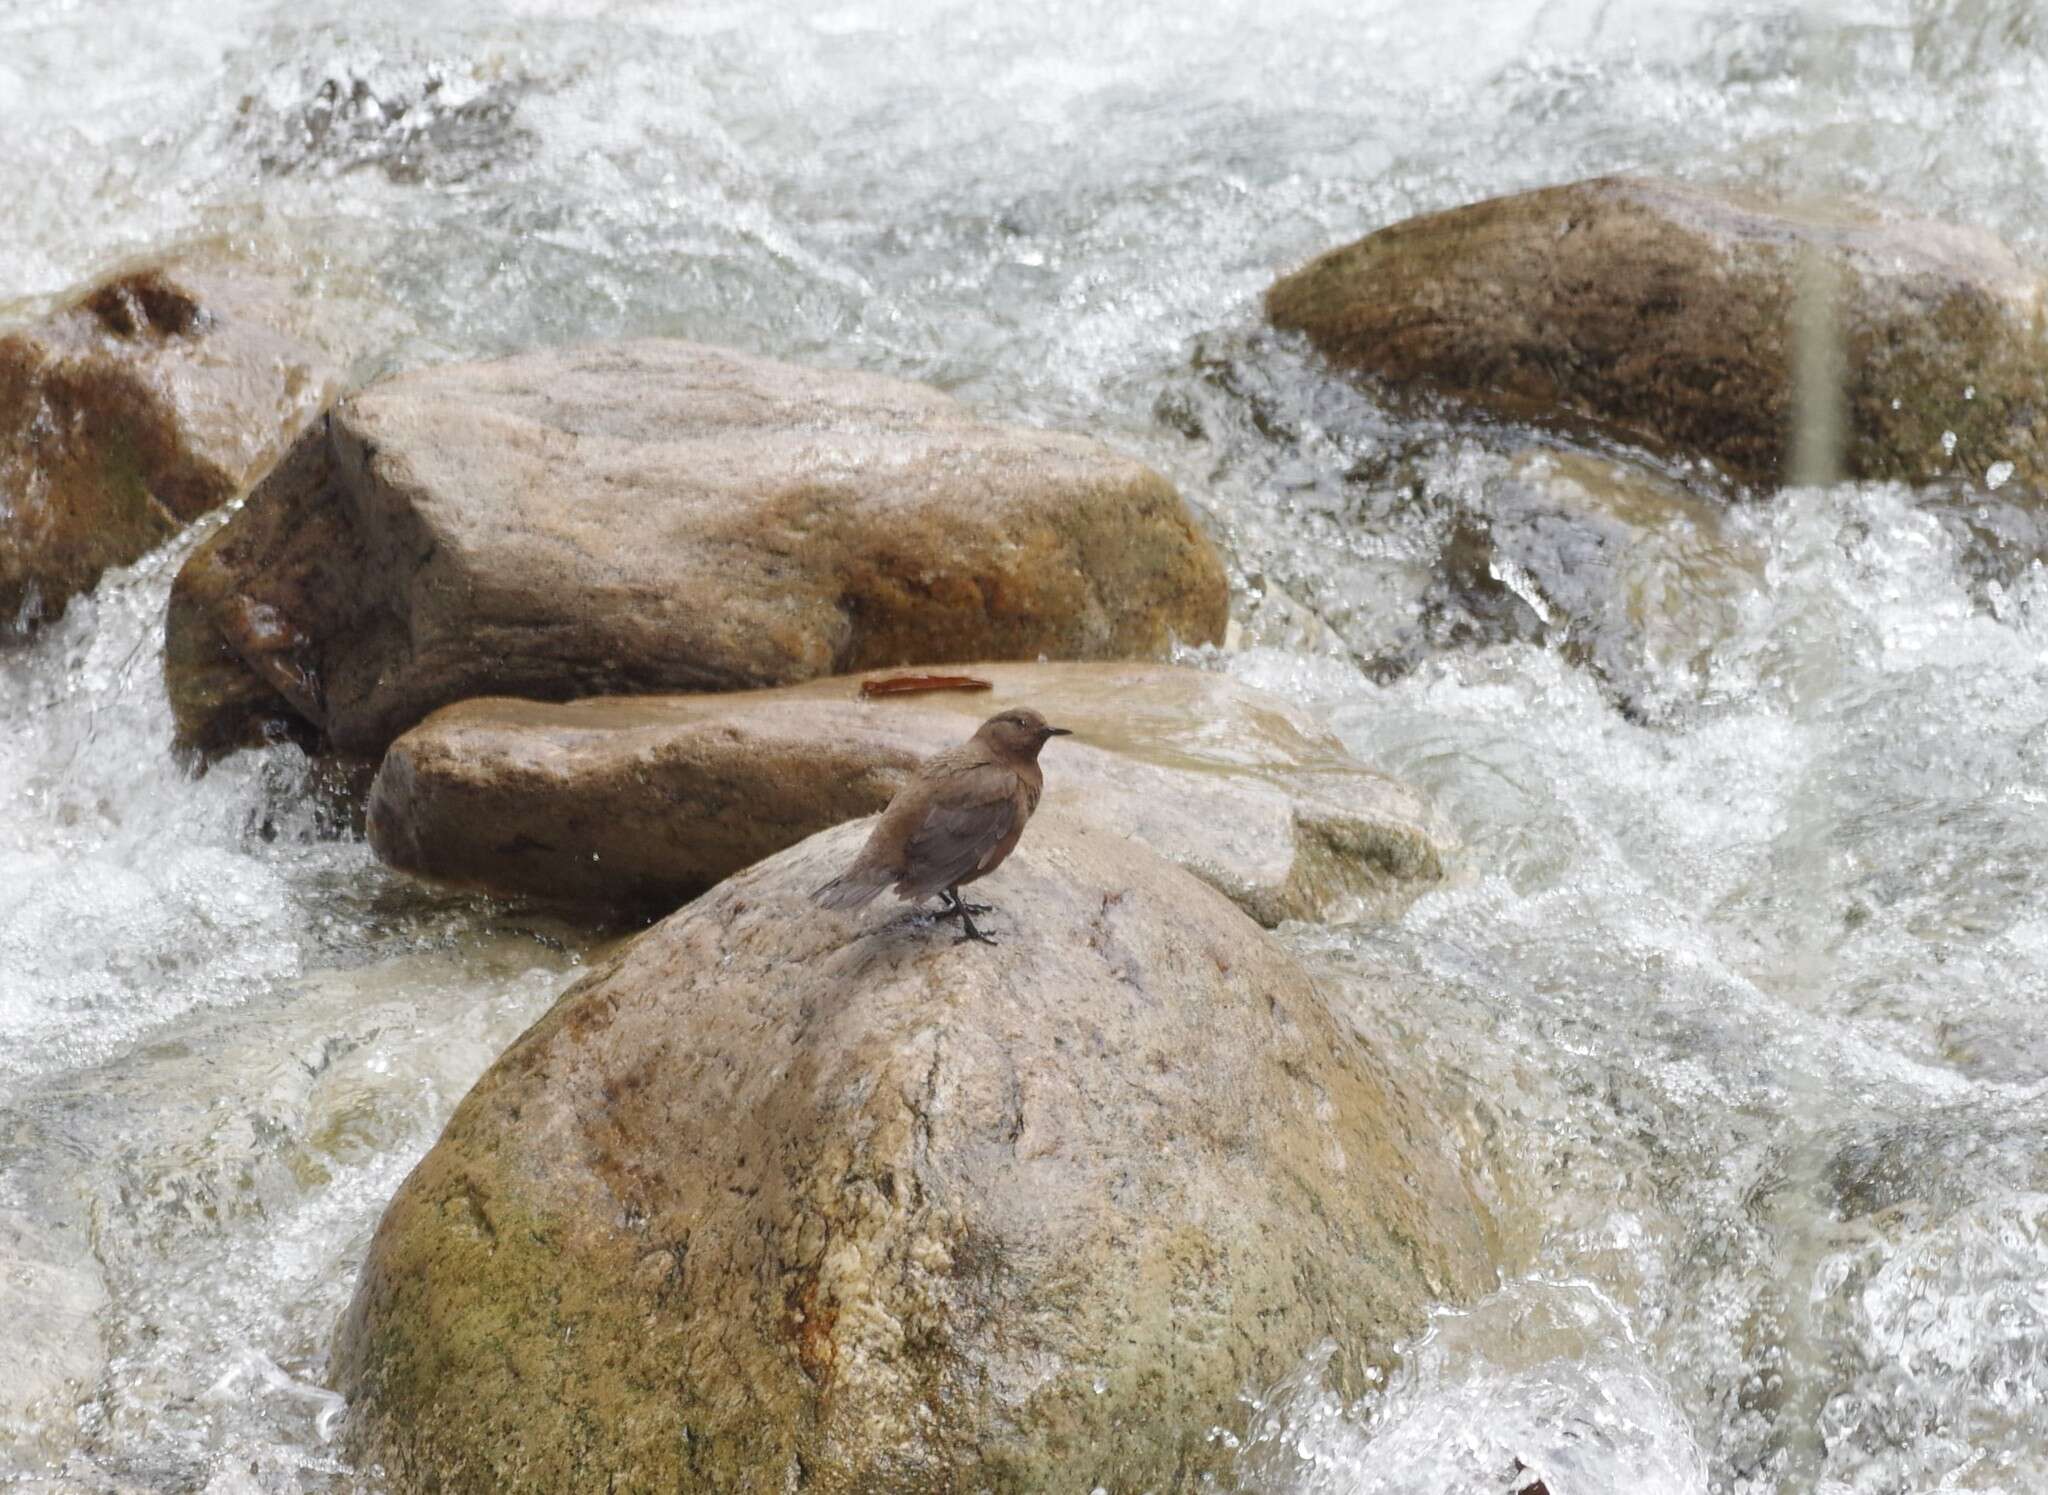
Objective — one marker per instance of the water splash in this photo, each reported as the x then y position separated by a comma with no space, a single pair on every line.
1541,1381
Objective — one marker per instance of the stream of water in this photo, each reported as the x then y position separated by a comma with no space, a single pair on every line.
1741,977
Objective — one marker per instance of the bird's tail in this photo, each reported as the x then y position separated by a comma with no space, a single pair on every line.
852,888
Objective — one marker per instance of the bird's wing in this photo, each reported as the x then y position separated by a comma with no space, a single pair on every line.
962,827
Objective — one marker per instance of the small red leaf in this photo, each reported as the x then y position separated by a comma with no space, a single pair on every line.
907,685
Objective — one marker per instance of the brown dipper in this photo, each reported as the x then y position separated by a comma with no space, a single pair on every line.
955,820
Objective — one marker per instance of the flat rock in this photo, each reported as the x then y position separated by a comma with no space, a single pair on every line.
786,1200
153,398
650,800
1666,313
652,516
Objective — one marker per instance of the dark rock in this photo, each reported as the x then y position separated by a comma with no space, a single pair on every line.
1626,572
152,399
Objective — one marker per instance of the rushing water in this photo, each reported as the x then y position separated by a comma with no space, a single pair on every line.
1739,982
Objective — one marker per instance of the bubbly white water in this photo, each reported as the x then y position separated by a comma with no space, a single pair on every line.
1736,996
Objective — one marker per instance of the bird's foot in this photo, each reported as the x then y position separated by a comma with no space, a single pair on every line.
959,908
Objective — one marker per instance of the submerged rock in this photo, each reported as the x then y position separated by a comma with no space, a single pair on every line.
651,800
1666,313
2000,534
415,122
52,1299
152,399
780,1199
660,516
1626,572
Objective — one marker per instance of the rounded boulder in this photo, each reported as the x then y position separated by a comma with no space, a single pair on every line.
782,1200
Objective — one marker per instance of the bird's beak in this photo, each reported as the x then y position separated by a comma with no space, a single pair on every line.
1058,732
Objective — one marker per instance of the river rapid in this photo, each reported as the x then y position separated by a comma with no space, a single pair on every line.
1740,979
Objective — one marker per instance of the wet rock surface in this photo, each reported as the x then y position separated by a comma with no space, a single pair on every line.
1631,575
651,800
780,1199
1667,314
663,516
415,123
2000,534
152,399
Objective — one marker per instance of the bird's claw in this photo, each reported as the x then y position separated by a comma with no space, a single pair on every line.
976,935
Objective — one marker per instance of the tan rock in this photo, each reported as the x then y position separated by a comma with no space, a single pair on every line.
784,1200
1665,312
155,397
651,800
660,516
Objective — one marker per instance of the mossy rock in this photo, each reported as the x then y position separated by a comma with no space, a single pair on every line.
1666,313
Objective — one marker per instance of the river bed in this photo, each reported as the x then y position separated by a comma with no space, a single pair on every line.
1741,972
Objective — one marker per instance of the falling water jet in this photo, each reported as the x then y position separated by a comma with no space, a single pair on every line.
1818,458
1819,373
1820,363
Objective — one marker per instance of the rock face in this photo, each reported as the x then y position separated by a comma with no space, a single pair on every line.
660,516
1666,312
154,398
780,1199
650,800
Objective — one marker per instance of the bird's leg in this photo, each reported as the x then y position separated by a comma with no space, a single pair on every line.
955,903
958,907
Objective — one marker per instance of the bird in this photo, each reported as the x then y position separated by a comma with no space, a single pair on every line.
956,819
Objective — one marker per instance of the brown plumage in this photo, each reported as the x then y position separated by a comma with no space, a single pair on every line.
957,818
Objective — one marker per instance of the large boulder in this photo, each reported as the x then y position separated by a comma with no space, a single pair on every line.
649,800
151,399
785,1200
661,516
1666,312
